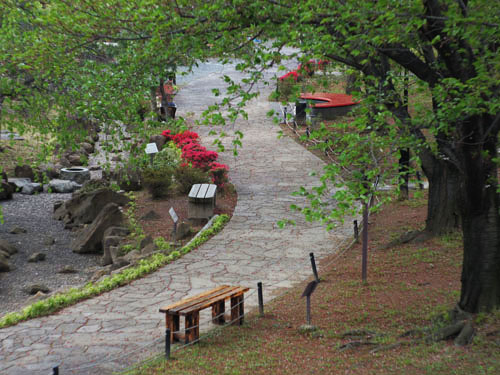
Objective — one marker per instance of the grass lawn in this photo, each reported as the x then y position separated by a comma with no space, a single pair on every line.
377,328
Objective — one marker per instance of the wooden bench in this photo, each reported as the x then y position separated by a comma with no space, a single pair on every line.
201,202
190,308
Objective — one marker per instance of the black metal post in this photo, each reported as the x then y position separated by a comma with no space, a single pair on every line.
365,242
55,370
356,230
285,120
261,298
308,309
313,265
308,132
167,343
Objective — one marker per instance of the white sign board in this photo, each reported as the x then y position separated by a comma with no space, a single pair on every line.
151,148
173,215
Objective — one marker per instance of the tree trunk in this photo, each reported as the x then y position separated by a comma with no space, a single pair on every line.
480,223
404,168
443,214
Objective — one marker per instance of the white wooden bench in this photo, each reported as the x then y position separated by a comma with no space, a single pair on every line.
201,201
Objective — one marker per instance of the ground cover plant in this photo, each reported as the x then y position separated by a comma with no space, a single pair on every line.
380,327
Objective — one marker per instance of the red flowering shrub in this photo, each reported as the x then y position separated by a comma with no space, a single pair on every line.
218,174
198,155
185,137
167,134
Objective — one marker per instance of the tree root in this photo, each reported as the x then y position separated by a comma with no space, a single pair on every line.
354,344
415,236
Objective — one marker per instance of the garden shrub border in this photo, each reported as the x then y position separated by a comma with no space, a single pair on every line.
61,300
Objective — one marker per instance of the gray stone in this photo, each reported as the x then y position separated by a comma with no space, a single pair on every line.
4,254
117,231
77,174
132,256
17,230
20,182
160,141
63,186
183,230
89,240
7,247
108,243
35,288
24,171
38,296
120,263
74,159
149,249
50,170
32,188
150,215
87,147
145,241
37,257
4,264
6,190
99,274
83,208
67,270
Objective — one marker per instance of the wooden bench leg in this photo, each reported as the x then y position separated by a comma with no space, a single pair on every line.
172,322
192,328
218,310
237,310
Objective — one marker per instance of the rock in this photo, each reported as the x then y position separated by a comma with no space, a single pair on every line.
74,159
109,242
32,188
4,254
20,182
160,141
6,190
117,231
95,168
17,230
37,257
90,238
4,264
63,186
49,241
37,297
307,328
67,270
132,256
145,241
183,230
7,247
49,169
100,274
24,171
77,174
87,147
116,158
149,249
83,208
57,204
150,216
35,288
120,263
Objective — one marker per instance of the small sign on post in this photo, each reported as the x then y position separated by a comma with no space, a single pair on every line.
151,150
175,219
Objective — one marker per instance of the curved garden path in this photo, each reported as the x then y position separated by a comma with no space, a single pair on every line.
119,328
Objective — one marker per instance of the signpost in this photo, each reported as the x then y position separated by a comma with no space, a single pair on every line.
151,150
175,219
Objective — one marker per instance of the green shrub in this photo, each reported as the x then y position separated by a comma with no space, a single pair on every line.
157,181
169,156
187,176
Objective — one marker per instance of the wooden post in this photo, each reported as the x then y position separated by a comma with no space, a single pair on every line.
237,310
365,243
218,310
192,329
172,324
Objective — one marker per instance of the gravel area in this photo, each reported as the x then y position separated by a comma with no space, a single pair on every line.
34,213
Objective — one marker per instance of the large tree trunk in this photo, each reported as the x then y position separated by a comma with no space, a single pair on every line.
443,214
480,222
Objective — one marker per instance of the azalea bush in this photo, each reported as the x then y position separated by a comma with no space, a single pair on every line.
218,174
198,156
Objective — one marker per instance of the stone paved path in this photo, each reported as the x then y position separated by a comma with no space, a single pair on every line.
104,331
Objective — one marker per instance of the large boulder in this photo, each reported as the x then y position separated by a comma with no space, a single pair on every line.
4,264
24,171
83,208
20,182
89,240
7,247
160,141
63,186
32,188
6,190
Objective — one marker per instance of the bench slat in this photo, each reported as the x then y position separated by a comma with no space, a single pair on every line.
215,293
189,299
211,191
202,192
209,302
193,193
